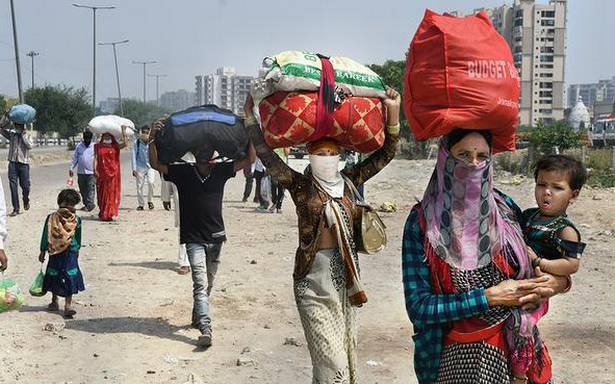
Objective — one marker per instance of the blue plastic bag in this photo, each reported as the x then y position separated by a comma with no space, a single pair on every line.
22,114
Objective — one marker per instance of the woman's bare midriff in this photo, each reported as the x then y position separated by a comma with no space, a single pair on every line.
328,239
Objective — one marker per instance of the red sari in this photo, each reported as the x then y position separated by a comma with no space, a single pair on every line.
108,182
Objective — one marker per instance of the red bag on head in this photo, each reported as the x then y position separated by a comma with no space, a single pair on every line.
289,118
460,74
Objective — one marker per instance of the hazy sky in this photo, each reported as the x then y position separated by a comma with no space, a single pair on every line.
190,37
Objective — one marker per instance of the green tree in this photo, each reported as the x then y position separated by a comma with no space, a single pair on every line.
60,109
3,104
547,137
392,74
142,113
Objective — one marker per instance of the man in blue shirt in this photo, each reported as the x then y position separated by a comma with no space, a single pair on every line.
83,159
142,170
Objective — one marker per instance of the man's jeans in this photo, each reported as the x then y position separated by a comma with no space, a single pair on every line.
87,188
19,172
204,260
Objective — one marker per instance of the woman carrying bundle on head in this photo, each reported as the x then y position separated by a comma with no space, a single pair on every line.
327,282
108,176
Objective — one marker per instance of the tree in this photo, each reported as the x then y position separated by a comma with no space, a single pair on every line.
3,104
142,113
547,137
392,74
60,109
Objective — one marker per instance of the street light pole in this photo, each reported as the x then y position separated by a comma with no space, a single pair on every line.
117,72
94,9
144,63
32,54
16,45
157,94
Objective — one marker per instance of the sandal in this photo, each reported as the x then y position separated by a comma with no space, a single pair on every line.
69,313
53,307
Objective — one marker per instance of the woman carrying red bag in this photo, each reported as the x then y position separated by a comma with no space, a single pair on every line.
108,175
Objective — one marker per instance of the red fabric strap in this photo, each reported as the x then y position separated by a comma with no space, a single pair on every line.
326,100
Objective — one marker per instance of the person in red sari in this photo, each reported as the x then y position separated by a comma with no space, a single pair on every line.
108,176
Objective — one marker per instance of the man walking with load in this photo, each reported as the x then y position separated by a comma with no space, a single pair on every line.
200,188
83,159
20,144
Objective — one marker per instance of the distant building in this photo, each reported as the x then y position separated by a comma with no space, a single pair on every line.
601,92
225,88
177,100
110,105
536,34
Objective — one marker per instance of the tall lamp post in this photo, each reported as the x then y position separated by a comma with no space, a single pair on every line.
144,63
32,54
16,45
117,72
157,94
94,9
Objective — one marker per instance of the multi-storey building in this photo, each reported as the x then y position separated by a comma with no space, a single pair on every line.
177,100
536,34
224,88
602,92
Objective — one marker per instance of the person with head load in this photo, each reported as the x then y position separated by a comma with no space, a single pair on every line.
327,282
142,170
83,159
466,273
20,143
108,176
200,188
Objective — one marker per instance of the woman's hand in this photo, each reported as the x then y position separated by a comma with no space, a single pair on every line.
41,257
506,293
392,104
544,286
248,107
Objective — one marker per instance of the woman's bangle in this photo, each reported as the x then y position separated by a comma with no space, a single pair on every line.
393,129
151,141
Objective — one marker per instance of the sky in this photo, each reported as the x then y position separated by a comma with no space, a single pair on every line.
191,37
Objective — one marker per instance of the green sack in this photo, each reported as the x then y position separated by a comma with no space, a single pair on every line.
37,285
11,297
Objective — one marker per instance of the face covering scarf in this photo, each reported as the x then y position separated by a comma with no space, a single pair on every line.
326,173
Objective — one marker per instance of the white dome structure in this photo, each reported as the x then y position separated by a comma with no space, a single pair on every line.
579,116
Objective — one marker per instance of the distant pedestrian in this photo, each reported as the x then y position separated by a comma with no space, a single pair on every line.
20,143
83,159
248,173
277,190
142,171
62,241
108,176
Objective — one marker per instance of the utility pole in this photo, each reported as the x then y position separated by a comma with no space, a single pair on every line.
94,9
117,72
32,54
144,63
157,93
16,45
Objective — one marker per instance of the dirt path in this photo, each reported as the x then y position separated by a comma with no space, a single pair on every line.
133,320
